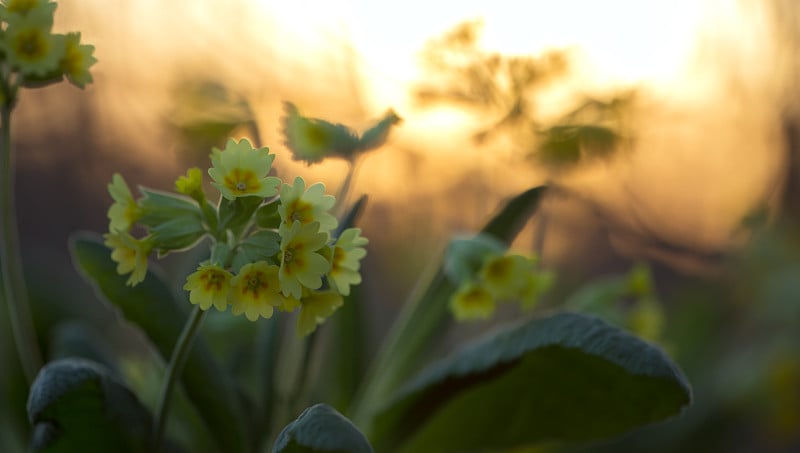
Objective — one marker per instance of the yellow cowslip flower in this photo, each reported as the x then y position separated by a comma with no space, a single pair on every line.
505,276
306,206
472,301
346,260
301,263
315,308
255,291
124,212
130,255
241,171
208,286
191,184
30,47
77,60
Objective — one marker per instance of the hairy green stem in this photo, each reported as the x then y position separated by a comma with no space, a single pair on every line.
176,363
13,279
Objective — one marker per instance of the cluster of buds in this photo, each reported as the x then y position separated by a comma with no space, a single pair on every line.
274,245
486,275
35,56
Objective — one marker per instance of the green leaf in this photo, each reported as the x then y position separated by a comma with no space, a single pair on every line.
567,377
236,213
159,207
267,216
179,233
319,429
152,307
77,405
79,339
422,319
261,246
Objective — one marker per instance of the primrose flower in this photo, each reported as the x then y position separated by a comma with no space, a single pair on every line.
505,276
346,260
124,212
255,291
208,286
77,60
315,309
29,45
306,206
301,263
191,184
472,301
130,255
241,171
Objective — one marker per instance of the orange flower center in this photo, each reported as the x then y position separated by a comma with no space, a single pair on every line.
212,281
256,283
241,181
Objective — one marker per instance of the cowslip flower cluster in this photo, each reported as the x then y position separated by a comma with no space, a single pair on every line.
500,278
33,54
275,245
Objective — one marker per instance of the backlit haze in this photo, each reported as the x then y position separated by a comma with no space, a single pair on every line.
703,148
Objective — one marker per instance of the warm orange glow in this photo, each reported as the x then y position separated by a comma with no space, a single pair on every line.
706,106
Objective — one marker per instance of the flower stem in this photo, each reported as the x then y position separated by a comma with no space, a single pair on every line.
13,280
176,363
344,189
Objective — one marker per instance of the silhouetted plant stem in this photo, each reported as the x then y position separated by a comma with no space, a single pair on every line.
176,363
13,280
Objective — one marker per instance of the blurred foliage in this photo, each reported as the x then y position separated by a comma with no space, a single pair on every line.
204,114
505,88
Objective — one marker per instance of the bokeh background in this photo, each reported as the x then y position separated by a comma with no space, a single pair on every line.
699,177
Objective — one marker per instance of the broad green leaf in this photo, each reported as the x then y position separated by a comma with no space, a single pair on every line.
567,377
152,306
319,429
77,405
422,319
79,339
